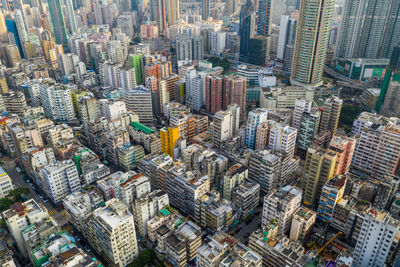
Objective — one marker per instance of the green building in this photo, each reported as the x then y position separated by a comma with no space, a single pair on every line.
58,22
136,62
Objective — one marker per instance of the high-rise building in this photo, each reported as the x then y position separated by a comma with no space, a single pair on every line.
369,29
319,168
127,79
246,27
214,93
354,13
205,9
57,102
255,118
135,61
6,183
138,100
235,87
375,240
246,197
72,23
189,47
302,222
373,28
312,41
21,215
168,137
376,153
172,11
287,36
280,206
231,7
60,179
282,138
158,14
391,38
300,106
58,22
272,170
330,114
111,232
308,128
388,103
264,17
344,148
222,127
331,194
147,207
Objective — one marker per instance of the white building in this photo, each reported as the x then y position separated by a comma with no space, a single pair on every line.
282,138
374,242
218,42
135,187
266,78
60,179
112,109
222,127
127,78
147,207
6,184
112,231
280,206
78,207
138,100
255,118
21,215
300,106
57,102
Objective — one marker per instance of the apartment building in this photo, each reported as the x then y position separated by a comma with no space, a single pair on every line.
271,169
234,176
376,236
246,197
331,194
146,208
280,206
302,222
111,231
21,215
6,184
319,168
79,205
60,178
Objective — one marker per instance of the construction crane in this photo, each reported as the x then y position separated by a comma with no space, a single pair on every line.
327,243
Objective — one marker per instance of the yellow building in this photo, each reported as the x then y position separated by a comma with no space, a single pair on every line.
319,168
168,139
4,86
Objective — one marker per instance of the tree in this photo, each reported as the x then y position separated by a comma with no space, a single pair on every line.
348,114
5,203
146,257
137,39
217,62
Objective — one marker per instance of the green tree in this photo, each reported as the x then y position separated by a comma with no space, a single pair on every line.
217,62
5,203
348,114
146,257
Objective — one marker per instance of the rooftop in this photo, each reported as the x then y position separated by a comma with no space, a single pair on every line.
141,127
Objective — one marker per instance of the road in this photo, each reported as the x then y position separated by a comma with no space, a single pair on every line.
250,228
18,181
